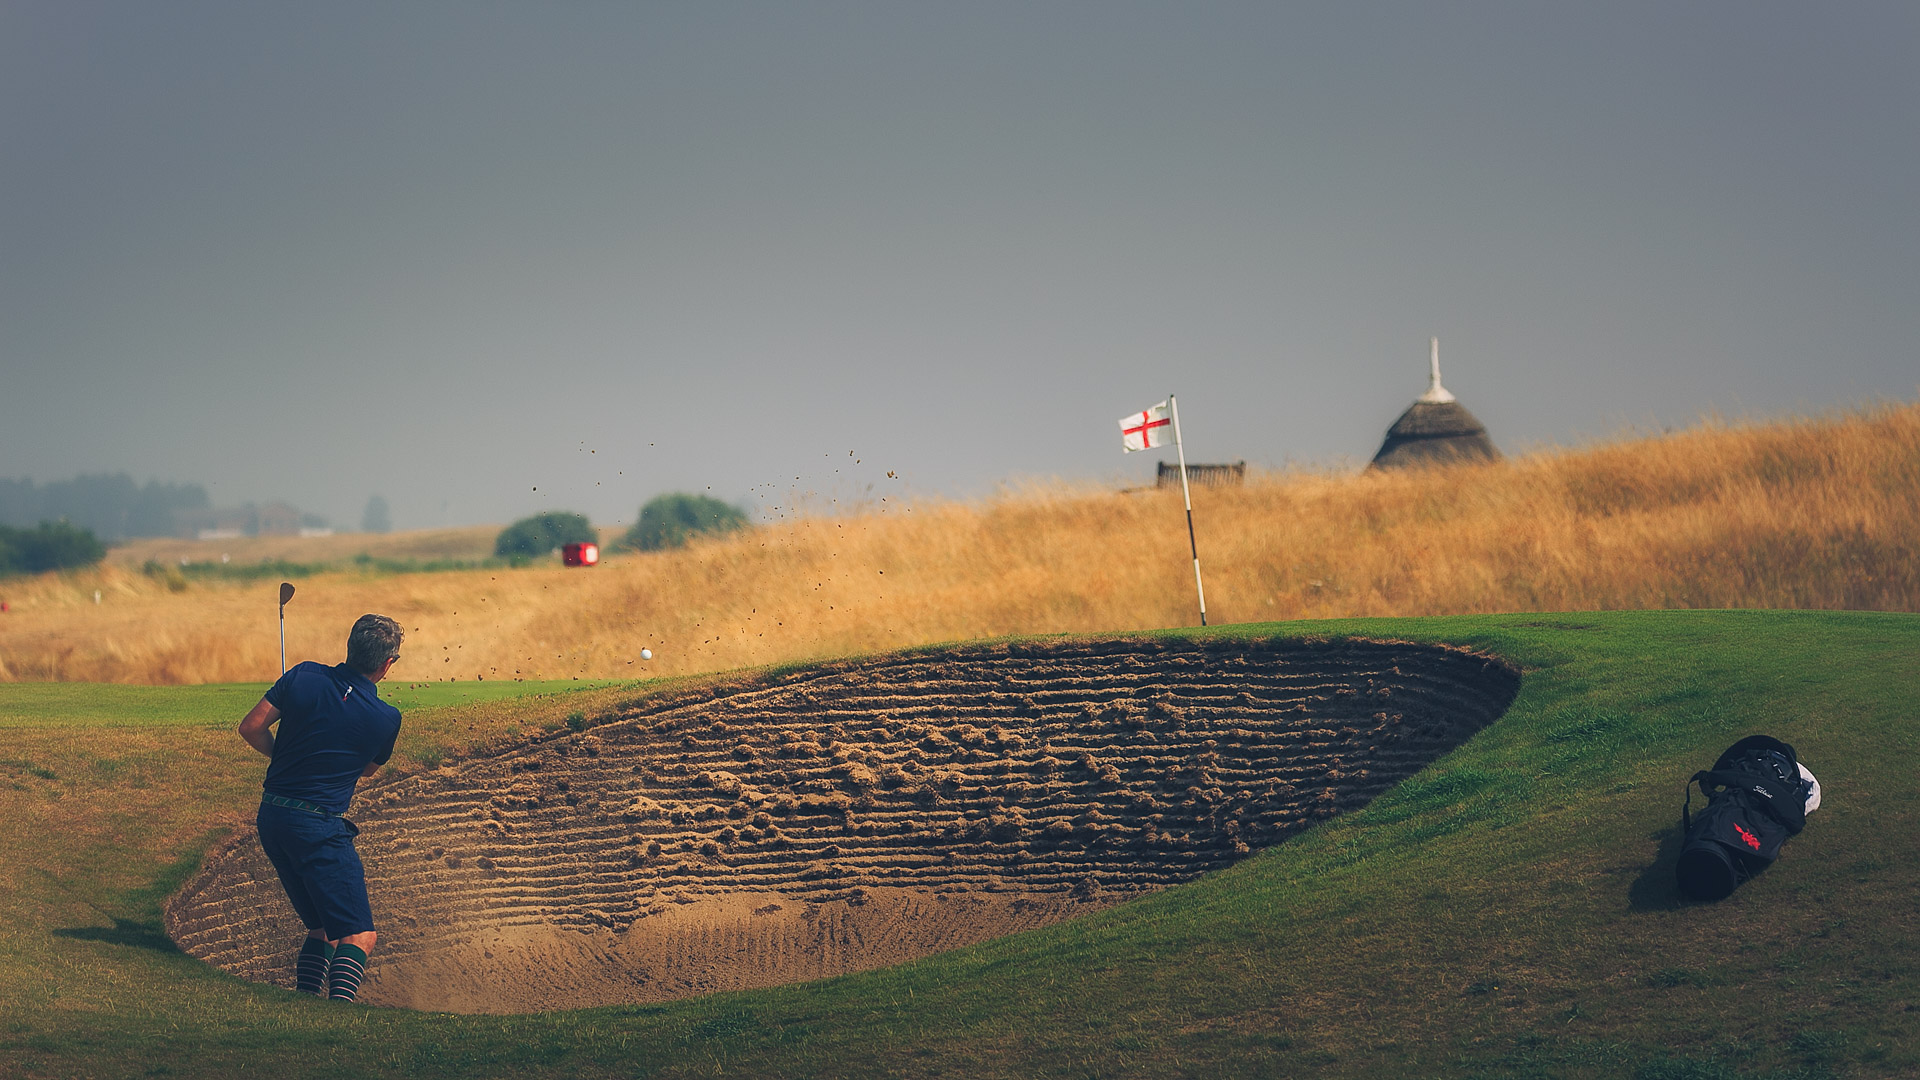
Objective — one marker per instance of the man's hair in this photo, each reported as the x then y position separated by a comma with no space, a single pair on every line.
373,640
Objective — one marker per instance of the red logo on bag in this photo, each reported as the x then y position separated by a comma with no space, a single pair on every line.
1752,840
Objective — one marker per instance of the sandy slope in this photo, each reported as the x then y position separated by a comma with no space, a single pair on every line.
853,815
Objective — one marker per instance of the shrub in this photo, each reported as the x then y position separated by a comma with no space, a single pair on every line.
54,545
174,580
537,536
668,521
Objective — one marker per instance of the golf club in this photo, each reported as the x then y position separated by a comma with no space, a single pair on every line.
286,594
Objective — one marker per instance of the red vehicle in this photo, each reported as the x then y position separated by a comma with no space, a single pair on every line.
580,554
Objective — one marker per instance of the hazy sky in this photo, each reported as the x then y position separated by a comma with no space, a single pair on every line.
443,251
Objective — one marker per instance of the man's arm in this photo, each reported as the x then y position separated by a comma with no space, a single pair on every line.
384,755
253,727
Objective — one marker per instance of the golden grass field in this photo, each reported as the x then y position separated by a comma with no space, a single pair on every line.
1812,513
471,542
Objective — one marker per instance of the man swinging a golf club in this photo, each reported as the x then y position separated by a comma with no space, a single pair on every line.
334,729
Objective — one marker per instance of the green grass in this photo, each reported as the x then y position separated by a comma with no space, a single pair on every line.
112,704
178,575
1506,913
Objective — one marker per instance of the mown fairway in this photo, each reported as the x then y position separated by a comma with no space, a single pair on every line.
1508,912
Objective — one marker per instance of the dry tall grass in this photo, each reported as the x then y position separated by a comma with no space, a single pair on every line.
470,543
1809,513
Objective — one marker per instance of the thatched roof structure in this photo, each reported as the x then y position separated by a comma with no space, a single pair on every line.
1435,430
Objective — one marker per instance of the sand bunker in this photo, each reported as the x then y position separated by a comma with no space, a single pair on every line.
852,816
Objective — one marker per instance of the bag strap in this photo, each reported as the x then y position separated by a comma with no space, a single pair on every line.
1686,808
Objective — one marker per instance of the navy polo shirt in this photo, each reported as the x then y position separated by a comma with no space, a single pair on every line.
332,725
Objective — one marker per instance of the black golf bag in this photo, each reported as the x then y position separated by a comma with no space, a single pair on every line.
1756,798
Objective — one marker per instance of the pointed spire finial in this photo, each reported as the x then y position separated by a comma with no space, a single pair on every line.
1436,393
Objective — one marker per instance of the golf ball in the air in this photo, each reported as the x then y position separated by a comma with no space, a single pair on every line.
646,654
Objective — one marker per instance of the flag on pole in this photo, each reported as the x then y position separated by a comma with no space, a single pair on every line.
1146,429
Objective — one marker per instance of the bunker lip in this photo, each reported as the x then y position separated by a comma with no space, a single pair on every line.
801,823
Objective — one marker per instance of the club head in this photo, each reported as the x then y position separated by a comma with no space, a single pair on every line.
286,592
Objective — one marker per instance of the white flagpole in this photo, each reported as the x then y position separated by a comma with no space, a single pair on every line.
1188,496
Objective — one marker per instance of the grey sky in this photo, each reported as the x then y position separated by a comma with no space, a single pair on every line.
442,251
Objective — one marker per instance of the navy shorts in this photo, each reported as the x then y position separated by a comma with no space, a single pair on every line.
318,867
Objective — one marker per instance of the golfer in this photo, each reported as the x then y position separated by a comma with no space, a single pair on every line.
334,729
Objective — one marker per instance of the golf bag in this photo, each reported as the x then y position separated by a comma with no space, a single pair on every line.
1756,798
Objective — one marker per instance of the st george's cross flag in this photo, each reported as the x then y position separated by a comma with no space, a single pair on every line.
1154,426
1146,429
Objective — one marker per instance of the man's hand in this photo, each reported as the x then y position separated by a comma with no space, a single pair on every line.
254,727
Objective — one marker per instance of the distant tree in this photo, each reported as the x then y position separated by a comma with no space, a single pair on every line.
159,508
537,536
54,545
376,519
100,502
668,521
108,504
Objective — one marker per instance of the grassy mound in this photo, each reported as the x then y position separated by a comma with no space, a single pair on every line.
1506,912
1805,514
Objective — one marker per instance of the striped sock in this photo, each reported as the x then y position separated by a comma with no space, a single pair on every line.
344,974
310,974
